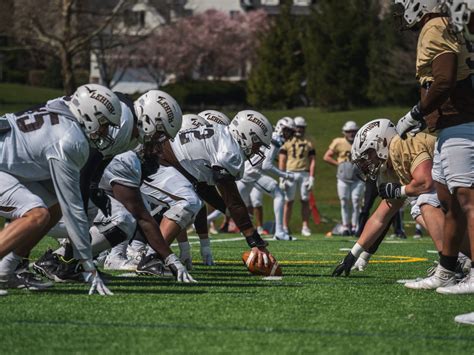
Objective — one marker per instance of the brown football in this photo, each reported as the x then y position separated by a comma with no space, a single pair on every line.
250,261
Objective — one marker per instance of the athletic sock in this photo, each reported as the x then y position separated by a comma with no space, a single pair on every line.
448,262
9,263
184,250
205,243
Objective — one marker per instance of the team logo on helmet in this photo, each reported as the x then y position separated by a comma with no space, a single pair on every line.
169,112
251,117
366,130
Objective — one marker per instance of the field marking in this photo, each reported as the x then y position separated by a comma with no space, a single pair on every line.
392,259
231,328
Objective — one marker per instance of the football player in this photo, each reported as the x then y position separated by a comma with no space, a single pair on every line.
297,155
43,151
447,105
402,168
215,155
349,186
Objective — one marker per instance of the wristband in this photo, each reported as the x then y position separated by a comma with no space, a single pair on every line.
255,241
402,191
357,250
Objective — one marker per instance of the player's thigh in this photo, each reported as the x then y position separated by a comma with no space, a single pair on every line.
304,192
245,189
453,163
267,185
256,198
120,218
343,190
16,199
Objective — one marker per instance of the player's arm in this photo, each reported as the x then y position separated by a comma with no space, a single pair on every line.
132,200
238,211
328,157
269,167
282,159
312,162
374,227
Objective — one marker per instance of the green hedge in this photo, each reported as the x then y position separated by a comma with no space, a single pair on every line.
196,95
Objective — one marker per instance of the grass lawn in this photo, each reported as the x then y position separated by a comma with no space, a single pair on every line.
230,311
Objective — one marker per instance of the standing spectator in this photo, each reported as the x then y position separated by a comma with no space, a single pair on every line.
349,187
297,156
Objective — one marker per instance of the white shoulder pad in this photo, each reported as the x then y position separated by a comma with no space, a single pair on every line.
124,169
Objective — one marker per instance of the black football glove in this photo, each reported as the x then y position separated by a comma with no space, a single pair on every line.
101,200
390,190
345,265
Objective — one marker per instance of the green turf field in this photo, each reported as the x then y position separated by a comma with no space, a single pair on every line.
230,311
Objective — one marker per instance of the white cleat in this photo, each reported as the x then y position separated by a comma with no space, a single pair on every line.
284,237
306,232
467,318
441,278
119,262
464,287
3,293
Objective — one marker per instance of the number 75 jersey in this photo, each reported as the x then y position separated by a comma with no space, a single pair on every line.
39,135
203,150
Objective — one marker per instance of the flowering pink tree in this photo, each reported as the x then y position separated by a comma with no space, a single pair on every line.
209,44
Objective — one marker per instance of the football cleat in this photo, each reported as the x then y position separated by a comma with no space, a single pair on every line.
119,262
284,236
3,293
467,318
26,280
47,264
68,271
441,278
306,232
151,265
464,287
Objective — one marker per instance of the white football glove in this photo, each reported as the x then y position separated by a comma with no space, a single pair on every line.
308,185
91,275
179,271
282,184
362,262
413,123
206,255
185,255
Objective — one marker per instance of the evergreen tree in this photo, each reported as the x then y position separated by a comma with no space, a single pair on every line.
275,79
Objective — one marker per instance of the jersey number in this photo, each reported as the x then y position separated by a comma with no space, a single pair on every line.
302,147
30,123
184,136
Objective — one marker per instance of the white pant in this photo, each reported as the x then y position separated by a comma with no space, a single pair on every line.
430,198
169,189
301,177
453,161
17,198
350,193
256,197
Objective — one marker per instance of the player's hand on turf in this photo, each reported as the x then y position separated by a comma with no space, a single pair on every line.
206,255
413,123
177,268
345,265
390,190
362,262
91,275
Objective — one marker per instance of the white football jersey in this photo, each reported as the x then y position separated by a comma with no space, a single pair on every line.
200,149
38,136
124,169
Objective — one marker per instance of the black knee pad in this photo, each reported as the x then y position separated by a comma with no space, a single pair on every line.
115,236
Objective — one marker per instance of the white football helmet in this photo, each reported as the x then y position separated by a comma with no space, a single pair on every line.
415,10
251,130
157,111
213,116
460,15
95,106
285,125
350,126
300,121
370,147
191,121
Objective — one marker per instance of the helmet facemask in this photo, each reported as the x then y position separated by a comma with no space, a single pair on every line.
99,136
255,154
369,164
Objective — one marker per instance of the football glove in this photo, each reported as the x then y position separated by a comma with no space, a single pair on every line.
345,266
289,176
391,190
91,275
283,184
362,261
308,185
177,268
413,122
206,255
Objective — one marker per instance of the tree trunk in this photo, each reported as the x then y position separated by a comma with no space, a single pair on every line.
69,80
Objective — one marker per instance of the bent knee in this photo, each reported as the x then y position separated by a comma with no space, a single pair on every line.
38,217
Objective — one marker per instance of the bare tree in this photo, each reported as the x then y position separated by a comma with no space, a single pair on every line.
63,28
